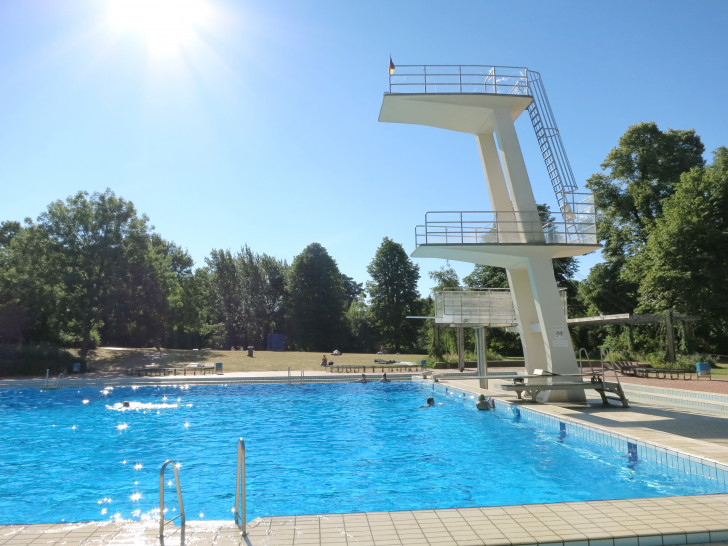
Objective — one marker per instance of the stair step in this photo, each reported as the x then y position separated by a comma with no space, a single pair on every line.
675,398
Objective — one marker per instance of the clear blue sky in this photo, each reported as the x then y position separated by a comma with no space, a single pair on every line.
254,122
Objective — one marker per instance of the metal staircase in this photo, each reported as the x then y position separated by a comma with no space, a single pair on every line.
577,208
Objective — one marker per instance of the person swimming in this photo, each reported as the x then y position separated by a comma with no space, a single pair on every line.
483,404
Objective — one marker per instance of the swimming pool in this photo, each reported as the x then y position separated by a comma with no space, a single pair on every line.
78,455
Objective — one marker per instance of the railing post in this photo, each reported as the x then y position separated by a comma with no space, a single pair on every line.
162,521
240,490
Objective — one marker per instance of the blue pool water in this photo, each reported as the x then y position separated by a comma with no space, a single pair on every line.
78,455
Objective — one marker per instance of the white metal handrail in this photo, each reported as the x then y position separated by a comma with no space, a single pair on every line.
162,521
240,489
506,227
461,79
479,306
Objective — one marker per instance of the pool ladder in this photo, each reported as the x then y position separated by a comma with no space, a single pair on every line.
181,515
240,489
239,494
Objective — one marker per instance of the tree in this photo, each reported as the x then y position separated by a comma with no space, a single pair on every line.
226,288
393,294
686,257
352,289
91,239
248,291
445,277
639,174
444,340
487,276
316,299
29,288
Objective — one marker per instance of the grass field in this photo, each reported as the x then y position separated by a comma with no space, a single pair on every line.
118,360
108,360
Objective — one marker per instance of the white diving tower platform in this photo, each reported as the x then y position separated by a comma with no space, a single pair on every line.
508,232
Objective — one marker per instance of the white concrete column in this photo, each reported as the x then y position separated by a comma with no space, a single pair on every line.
494,178
498,190
516,175
555,331
534,349
481,347
461,348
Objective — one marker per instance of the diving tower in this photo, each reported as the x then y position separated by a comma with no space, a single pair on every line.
485,101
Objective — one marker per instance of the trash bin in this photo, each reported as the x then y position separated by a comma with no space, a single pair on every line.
423,363
702,369
250,350
218,368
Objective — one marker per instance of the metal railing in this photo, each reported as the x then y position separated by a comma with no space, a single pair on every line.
460,79
240,489
162,521
507,227
480,306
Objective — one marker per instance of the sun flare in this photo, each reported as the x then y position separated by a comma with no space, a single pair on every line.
166,26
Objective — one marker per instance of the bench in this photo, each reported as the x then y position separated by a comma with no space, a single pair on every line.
519,386
387,366
194,368
674,373
626,367
154,370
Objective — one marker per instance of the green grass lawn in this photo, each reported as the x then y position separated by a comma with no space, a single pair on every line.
109,360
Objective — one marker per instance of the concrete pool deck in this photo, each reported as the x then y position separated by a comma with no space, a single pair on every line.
639,522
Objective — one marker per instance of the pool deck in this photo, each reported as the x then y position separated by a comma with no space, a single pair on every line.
639,522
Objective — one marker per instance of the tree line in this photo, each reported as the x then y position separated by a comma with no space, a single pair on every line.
91,271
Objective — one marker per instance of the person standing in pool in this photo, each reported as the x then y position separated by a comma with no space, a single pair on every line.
363,378
384,378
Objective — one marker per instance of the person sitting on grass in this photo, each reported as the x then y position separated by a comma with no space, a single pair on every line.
324,362
483,404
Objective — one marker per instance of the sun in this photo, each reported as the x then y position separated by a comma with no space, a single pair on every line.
166,26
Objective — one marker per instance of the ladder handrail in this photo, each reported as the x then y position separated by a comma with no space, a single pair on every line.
240,489
162,521
581,362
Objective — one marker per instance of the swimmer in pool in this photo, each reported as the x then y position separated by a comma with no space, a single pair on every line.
384,378
125,403
363,378
483,404
430,403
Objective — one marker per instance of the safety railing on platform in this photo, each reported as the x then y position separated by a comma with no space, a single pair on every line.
488,227
181,515
460,79
479,306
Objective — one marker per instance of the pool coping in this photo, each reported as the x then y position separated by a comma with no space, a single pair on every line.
640,522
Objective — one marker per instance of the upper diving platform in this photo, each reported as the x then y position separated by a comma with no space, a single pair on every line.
486,100
458,98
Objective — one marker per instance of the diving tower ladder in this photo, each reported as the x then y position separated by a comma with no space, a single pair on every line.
573,205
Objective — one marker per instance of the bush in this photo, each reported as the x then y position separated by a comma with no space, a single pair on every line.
36,359
687,362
